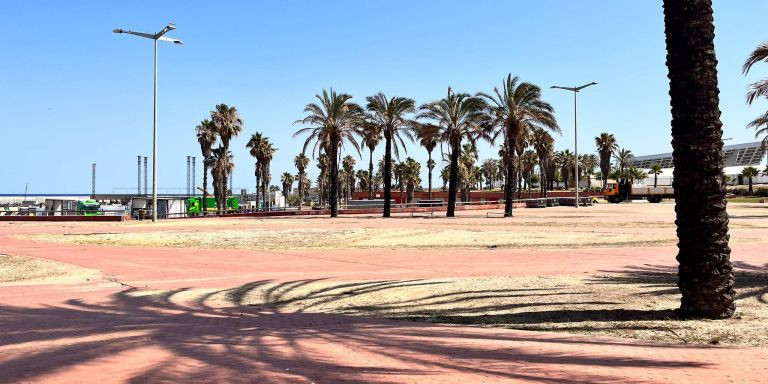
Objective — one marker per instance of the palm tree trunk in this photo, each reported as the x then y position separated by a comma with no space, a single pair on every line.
370,175
509,185
333,188
453,180
203,203
705,273
750,186
655,178
429,170
387,175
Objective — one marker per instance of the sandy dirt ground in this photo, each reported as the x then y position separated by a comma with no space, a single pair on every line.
323,300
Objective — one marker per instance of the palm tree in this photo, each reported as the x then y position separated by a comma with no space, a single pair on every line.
756,90
567,163
528,162
588,164
623,158
267,151
460,116
390,116
655,171
514,111
466,166
543,144
301,161
489,169
606,147
397,172
445,174
206,137
286,179
411,176
371,138
705,272
222,165
749,173
254,146
363,179
428,136
333,121
348,164
227,124
322,178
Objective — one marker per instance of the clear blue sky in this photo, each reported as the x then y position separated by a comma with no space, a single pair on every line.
73,93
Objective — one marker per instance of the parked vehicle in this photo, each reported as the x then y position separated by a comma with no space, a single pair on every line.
623,190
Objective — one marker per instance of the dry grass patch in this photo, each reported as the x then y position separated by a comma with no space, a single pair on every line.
637,305
23,270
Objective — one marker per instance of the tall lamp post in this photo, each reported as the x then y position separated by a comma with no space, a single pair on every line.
575,91
156,36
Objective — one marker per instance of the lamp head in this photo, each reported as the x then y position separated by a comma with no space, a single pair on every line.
118,30
170,26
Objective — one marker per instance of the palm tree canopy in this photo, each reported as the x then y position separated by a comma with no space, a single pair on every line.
749,171
301,161
206,137
391,116
227,122
655,169
333,121
517,108
428,135
459,115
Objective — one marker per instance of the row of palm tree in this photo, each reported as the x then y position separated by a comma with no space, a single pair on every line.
511,114
224,124
263,151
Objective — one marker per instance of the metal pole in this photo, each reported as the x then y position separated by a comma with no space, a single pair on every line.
93,181
576,148
138,177
194,192
189,162
146,185
154,145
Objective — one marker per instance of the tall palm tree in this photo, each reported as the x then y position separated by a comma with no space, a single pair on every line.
286,179
757,90
428,136
222,165
466,166
363,179
567,165
206,137
411,176
228,124
371,138
445,175
623,158
655,171
515,110
322,178
348,164
254,146
543,144
588,163
528,161
267,153
301,161
391,116
705,272
490,168
606,147
333,121
460,116
749,173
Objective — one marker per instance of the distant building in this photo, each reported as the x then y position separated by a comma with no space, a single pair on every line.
736,158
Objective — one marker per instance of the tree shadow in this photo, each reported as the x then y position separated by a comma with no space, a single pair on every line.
751,279
202,342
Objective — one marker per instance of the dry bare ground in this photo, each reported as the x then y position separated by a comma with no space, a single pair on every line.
22,270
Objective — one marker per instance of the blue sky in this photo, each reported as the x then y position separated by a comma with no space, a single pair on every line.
73,93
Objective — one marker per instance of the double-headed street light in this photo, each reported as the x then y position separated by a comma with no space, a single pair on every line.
575,91
155,37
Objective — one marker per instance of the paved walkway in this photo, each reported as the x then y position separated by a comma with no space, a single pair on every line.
103,332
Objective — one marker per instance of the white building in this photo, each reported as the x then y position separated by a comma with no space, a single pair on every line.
735,158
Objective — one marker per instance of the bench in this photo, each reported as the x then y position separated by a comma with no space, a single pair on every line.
423,214
535,203
494,214
430,203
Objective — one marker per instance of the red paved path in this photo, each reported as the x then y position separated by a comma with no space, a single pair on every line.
97,333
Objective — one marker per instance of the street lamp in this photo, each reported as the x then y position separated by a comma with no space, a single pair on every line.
575,90
155,37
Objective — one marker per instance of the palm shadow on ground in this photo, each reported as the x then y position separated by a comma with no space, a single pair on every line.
195,341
